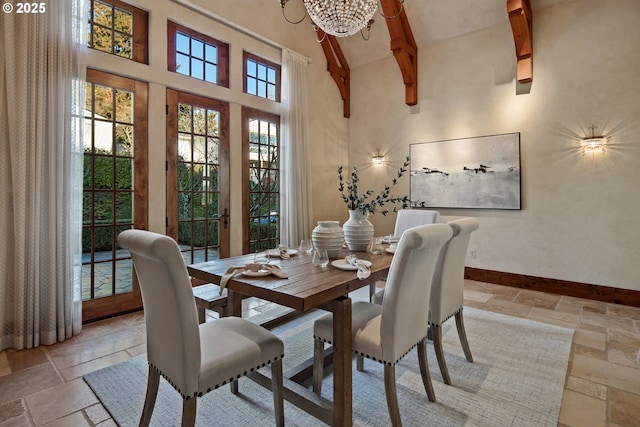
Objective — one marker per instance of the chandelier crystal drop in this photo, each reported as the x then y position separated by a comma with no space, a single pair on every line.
341,18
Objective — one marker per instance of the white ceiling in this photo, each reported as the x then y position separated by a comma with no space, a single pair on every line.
433,21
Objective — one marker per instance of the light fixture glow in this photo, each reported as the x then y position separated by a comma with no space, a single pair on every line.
377,160
593,144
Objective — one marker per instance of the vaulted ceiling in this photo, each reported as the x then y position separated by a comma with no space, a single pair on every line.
431,21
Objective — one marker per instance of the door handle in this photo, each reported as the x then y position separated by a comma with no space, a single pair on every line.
225,218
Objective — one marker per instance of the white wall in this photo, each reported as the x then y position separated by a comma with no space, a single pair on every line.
579,217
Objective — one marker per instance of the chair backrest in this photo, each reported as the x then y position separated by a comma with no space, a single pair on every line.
173,337
448,280
404,315
409,218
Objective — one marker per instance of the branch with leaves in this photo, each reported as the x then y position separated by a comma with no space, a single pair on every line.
366,203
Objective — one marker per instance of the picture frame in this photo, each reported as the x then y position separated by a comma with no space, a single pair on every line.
468,173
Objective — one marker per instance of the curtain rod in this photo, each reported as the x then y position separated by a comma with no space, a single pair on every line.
209,14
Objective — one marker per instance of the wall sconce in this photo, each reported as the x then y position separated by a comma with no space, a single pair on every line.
593,144
377,160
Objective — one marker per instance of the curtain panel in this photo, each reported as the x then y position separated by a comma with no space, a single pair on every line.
295,182
41,100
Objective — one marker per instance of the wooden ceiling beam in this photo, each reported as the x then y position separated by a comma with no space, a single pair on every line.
520,17
403,46
338,68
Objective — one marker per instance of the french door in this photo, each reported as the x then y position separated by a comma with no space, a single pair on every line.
114,190
261,179
198,176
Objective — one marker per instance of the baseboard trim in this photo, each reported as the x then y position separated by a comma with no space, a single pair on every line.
561,287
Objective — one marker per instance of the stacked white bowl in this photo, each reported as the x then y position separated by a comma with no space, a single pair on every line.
328,236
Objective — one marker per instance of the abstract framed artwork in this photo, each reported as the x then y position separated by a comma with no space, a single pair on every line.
476,173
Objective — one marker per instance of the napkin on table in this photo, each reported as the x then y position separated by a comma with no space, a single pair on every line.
284,252
275,270
363,269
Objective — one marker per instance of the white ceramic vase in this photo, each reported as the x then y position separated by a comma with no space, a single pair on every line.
328,236
358,231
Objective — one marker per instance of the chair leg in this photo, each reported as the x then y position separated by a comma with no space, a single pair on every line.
277,388
318,366
189,412
436,336
424,370
233,385
153,382
392,395
463,336
360,362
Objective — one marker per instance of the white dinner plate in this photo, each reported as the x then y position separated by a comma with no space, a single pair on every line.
344,265
259,273
390,239
390,250
276,252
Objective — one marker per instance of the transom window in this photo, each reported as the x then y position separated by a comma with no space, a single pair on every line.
117,28
261,77
197,55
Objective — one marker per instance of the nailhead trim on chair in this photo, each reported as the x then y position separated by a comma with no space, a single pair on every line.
438,324
384,362
200,394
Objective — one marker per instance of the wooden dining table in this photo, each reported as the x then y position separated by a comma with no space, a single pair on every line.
307,287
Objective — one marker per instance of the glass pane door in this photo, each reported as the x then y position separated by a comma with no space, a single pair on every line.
197,180
113,143
262,179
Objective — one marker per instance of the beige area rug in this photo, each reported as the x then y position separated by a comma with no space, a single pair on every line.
517,379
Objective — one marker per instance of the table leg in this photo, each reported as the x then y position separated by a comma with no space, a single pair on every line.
234,304
342,349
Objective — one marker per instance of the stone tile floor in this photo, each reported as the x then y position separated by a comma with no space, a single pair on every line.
44,386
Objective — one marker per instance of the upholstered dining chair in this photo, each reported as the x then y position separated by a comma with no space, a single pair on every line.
406,219
387,332
193,358
447,299
409,218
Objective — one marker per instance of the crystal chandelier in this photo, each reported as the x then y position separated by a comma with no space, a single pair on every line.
341,18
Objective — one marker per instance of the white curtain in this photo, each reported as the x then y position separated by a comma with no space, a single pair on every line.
295,189
41,95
